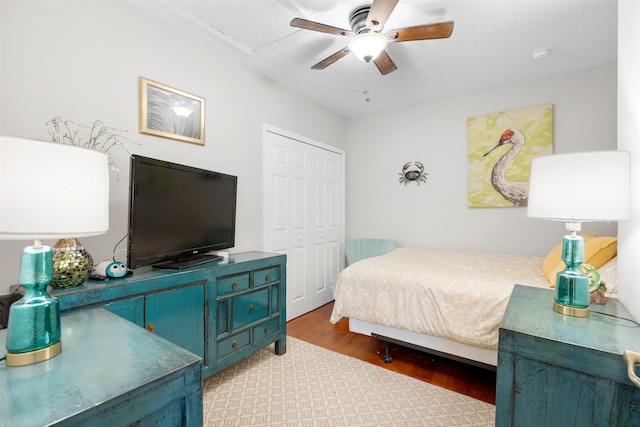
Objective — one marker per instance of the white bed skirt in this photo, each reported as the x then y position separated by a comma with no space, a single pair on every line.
482,356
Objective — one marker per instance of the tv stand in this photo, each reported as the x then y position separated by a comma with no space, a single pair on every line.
222,311
180,264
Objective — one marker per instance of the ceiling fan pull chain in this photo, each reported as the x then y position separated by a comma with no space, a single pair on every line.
367,82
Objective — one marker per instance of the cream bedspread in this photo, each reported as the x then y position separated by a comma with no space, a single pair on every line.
461,296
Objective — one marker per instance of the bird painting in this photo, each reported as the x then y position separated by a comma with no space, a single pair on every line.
499,161
516,192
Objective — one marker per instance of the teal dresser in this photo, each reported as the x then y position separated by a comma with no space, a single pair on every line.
109,373
222,311
556,370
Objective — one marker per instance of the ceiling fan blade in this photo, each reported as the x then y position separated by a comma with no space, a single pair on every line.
316,26
331,59
384,63
379,13
441,30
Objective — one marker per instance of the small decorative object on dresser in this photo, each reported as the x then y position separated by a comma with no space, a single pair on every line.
72,263
597,286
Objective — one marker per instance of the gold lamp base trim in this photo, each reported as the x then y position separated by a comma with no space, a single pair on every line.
35,356
571,311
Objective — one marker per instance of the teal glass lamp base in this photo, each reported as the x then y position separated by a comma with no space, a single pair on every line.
33,333
572,286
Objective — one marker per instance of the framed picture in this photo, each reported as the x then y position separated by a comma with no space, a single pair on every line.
171,113
500,148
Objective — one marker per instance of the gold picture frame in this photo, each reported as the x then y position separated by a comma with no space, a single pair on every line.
171,113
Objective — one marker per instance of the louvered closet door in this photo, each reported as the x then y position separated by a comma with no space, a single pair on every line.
303,200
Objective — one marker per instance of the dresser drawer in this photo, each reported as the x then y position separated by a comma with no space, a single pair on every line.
266,275
266,328
233,343
250,308
233,283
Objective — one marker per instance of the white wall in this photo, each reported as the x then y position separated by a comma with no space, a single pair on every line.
81,60
435,214
628,140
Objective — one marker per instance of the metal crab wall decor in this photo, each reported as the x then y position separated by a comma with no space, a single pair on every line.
412,171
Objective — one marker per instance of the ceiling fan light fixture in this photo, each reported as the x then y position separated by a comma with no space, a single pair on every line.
367,46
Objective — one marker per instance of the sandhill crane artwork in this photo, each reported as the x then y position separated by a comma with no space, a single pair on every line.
501,147
516,192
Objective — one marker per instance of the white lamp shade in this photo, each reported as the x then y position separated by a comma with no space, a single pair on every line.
51,190
580,187
367,46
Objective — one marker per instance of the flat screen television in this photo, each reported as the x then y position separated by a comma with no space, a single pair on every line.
178,213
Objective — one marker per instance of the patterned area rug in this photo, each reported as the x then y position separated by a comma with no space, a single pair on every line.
312,386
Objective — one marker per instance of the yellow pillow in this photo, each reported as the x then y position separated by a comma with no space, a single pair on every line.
600,251
597,252
554,257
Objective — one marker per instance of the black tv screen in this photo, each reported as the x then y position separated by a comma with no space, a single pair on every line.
178,213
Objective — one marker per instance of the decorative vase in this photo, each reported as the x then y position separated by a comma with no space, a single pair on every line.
72,263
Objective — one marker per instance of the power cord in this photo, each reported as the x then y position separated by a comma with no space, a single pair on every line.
114,252
617,317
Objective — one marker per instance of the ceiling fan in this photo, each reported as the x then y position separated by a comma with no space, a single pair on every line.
368,42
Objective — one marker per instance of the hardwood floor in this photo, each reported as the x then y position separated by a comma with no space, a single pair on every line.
315,328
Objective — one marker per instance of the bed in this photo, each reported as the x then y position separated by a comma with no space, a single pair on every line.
444,302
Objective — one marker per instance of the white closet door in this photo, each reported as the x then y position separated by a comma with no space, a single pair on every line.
303,201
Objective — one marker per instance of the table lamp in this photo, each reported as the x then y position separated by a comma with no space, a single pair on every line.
575,188
47,191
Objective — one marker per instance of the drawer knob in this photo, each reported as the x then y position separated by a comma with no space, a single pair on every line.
251,308
266,277
632,359
234,344
266,330
234,285
151,328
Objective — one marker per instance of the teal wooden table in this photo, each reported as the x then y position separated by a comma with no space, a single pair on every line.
557,370
222,311
110,373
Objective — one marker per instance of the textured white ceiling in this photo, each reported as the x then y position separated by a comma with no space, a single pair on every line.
492,45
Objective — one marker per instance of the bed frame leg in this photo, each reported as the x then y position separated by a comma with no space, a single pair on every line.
387,357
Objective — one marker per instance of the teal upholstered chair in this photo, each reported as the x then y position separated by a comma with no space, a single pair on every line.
357,249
